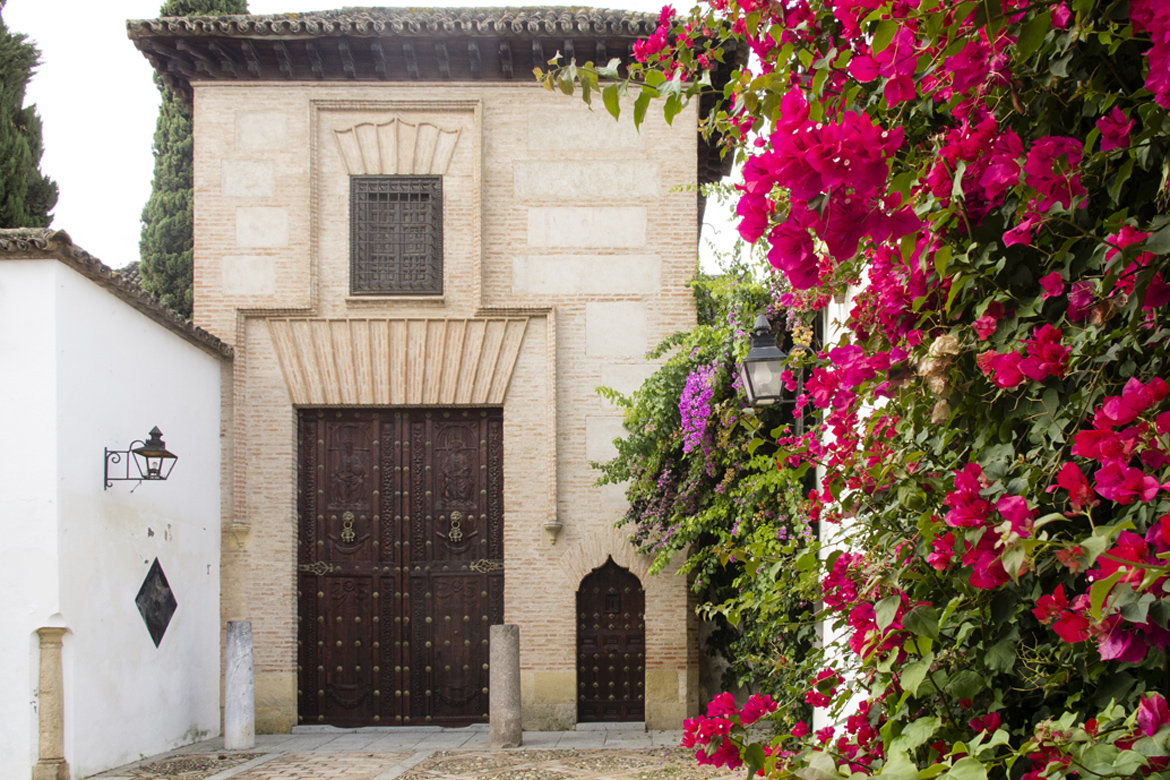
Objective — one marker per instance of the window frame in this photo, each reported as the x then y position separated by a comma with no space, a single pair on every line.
364,238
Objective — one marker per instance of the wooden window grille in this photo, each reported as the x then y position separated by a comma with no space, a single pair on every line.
396,235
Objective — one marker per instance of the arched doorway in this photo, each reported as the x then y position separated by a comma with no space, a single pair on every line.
611,646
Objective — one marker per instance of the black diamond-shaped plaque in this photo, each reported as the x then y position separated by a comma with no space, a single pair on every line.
156,602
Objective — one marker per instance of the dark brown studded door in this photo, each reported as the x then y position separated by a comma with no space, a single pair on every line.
400,564
611,646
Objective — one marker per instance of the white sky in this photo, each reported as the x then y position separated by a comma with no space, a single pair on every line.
98,104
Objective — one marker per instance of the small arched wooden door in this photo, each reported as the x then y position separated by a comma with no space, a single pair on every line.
611,646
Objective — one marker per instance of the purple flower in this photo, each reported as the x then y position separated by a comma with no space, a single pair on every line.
695,407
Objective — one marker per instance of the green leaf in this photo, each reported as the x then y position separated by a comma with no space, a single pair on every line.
610,69
942,259
640,106
923,621
1032,35
672,108
612,101
1013,561
1059,66
1122,177
914,673
1100,590
967,768
886,610
884,34
821,766
1001,656
754,757
1159,242
916,735
898,766
966,684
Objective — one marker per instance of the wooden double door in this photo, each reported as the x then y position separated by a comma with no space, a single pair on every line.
400,564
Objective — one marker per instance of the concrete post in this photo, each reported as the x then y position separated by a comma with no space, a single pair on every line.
239,699
504,710
51,763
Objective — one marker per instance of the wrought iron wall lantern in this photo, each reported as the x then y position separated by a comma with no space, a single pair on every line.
762,373
151,459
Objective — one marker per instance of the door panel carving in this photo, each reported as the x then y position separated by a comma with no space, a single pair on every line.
611,646
400,564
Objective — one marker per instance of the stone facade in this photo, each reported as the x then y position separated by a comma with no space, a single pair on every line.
567,243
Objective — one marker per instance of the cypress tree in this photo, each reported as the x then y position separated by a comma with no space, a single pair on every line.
167,243
26,195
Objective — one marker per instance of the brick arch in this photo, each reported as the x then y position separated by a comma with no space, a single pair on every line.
592,551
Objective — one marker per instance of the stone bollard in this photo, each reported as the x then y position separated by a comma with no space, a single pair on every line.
504,711
239,705
51,763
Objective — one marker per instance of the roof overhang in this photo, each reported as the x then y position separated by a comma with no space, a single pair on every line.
397,45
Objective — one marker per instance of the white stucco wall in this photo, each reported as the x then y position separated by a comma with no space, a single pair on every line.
105,374
28,504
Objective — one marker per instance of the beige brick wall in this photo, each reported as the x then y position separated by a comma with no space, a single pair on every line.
539,222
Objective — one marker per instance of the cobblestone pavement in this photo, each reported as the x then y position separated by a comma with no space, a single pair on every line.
430,754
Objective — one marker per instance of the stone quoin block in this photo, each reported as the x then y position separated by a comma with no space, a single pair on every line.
244,275
261,226
600,431
586,274
615,329
577,181
587,227
261,131
248,179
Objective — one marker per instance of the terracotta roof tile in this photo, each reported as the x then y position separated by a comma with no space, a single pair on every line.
489,22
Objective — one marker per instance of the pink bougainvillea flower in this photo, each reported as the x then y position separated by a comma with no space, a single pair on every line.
968,509
1053,285
800,730
1071,478
863,68
1103,445
1151,16
1080,299
989,722
1135,399
1125,485
1046,355
1051,168
1152,714
722,706
757,707
825,735
1061,16
1118,643
824,688
1015,510
987,570
1071,627
899,89
942,551
1114,129
1022,233
1002,369
1129,547
1049,606
984,326
792,252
